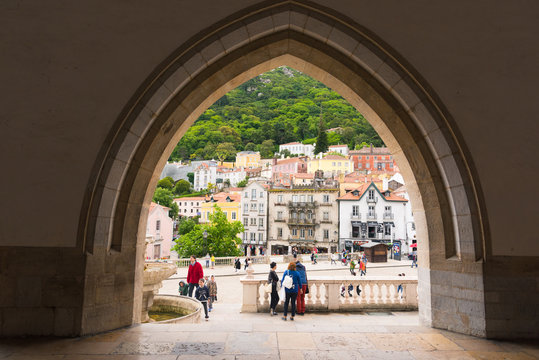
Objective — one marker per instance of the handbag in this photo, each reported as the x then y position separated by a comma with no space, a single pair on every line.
268,287
307,289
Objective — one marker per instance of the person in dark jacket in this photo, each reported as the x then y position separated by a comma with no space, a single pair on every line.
302,271
291,293
274,280
237,264
183,288
202,294
194,274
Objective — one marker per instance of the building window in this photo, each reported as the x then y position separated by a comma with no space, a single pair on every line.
326,215
388,209
233,215
246,194
260,222
339,163
253,207
279,215
309,198
244,237
359,165
261,208
260,237
261,195
280,232
294,198
326,234
279,198
158,225
355,210
333,164
371,211
253,237
371,194
326,198
302,233
309,215
311,233
245,208
245,221
253,194
387,229
295,232
302,198
253,221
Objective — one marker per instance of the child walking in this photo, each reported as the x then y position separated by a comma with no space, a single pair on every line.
212,287
202,294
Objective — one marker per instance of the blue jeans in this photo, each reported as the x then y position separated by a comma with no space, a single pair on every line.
290,297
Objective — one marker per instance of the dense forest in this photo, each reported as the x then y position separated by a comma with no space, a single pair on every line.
277,107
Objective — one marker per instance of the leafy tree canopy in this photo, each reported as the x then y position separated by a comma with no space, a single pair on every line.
282,105
182,187
222,239
166,183
165,197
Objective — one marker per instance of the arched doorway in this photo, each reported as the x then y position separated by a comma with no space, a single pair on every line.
347,58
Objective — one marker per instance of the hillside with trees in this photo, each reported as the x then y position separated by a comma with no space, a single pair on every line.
277,107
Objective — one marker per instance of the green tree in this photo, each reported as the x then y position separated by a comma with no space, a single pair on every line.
222,239
322,139
182,187
191,177
267,149
186,225
243,183
163,197
166,183
250,147
225,151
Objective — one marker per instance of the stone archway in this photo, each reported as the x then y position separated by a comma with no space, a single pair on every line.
344,56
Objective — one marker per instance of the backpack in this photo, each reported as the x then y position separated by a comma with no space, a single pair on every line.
288,282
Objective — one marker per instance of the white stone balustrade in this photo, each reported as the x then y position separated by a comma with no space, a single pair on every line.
377,293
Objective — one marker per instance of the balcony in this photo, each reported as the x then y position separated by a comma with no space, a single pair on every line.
296,221
371,216
372,200
279,220
326,221
388,216
355,216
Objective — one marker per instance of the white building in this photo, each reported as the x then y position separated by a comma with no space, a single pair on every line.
255,217
205,173
366,213
297,148
159,229
234,175
189,206
341,149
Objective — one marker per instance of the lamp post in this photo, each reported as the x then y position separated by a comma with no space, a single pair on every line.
205,237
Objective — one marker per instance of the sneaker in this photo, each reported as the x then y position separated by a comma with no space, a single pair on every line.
207,318
291,318
284,318
209,310
301,314
274,313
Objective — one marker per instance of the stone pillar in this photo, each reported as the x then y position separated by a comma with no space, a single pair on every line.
250,295
333,296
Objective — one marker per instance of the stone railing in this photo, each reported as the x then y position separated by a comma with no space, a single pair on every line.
229,260
325,294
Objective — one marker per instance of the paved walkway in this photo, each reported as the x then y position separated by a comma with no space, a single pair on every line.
232,335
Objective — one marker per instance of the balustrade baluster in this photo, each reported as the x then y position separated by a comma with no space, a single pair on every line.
318,293
371,293
379,295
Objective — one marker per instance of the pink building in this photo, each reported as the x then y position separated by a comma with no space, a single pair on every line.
289,166
158,233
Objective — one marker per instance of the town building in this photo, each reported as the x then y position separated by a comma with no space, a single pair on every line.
159,231
289,166
205,173
332,165
303,179
304,217
368,214
229,203
297,148
353,180
189,206
248,159
341,149
373,159
255,218
230,177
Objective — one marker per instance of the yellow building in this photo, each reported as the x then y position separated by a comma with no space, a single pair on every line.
230,204
331,165
248,159
227,164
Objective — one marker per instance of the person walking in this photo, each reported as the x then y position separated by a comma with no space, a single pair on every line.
291,293
237,264
365,261
352,267
247,260
334,258
414,258
203,294
212,287
194,274
302,271
183,288
362,268
212,260
274,280
207,260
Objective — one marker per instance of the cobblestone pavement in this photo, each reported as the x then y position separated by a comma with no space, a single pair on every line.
230,334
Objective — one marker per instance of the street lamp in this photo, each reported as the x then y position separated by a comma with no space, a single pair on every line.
205,237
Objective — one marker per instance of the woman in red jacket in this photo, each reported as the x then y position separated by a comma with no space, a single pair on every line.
194,273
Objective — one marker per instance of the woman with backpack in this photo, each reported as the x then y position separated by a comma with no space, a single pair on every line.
291,283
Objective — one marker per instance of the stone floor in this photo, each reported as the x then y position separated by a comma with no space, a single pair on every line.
232,335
